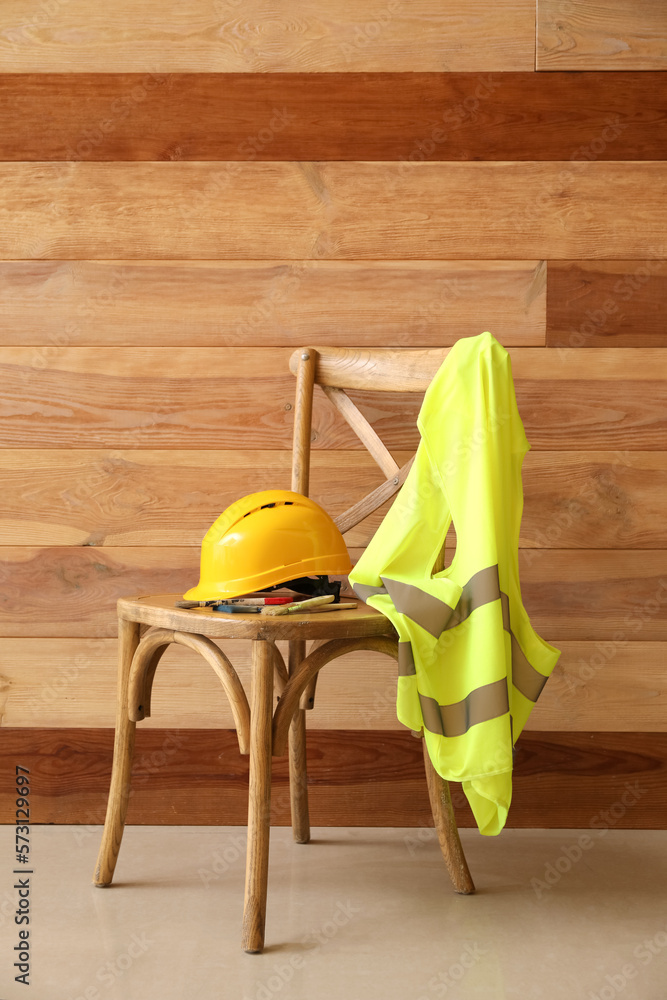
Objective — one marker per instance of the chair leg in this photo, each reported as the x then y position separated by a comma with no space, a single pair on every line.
121,772
298,775
259,797
446,828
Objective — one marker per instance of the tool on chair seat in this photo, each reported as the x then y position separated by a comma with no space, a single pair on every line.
310,605
343,606
238,609
188,605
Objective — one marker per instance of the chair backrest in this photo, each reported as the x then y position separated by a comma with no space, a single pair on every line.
336,369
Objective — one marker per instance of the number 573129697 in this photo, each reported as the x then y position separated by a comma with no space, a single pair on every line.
22,814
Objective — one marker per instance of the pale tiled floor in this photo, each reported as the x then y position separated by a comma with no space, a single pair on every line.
358,913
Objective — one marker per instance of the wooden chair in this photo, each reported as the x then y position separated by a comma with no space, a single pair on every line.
148,625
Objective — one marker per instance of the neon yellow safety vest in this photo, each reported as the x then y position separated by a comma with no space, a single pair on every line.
470,664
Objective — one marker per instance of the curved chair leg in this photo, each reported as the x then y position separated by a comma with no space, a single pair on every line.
229,678
446,828
313,663
298,774
121,773
259,798
142,671
307,699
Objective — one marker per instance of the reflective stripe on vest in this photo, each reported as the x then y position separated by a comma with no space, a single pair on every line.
486,702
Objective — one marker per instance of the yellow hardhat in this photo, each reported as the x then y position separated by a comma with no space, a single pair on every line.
265,539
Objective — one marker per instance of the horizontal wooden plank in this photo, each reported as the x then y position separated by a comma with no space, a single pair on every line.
83,497
183,398
595,501
197,777
601,34
350,210
258,36
593,595
148,397
619,303
73,591
369,116
52,497
277,303
575,594
611,685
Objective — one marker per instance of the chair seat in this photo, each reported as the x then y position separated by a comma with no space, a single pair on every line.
159,611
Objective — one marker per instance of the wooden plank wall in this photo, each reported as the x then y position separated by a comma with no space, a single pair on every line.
189,192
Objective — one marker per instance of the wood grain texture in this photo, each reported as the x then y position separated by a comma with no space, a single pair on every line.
606,303
303,421
595,595
259,36
557,413
363,430
446,830
356,779
123,759
609,685
168,497
351,210
595,501
154,398
392,370
574,594
348,624
588,500
259,799
278,303
601,34
369,116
